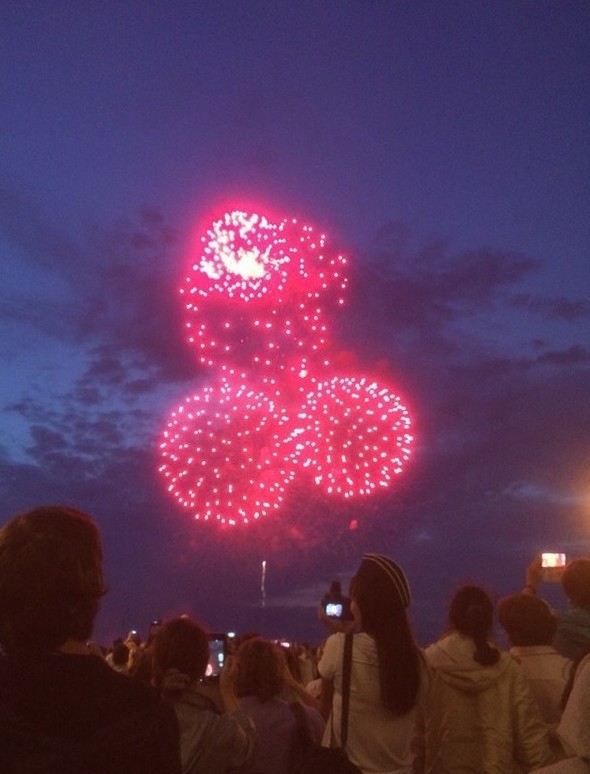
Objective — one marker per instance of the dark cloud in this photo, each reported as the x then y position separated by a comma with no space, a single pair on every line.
105,369
47,441
574,355
134,306
122,286
34,411
138,387
559,308
415,294
87,396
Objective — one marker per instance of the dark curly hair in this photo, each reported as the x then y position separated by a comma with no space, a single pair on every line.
259,669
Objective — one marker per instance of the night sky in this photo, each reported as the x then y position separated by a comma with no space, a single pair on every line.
443,147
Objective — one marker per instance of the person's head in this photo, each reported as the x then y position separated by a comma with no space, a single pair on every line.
379,590
472,613
50,579
576,582
180,645
259,669
380,596
526,619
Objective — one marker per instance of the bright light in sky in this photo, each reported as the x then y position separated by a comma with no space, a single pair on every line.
258,303
233,247
258,294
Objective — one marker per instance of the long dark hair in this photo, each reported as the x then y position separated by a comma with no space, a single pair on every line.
472,614
385,619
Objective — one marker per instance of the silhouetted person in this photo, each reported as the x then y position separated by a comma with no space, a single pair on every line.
63,710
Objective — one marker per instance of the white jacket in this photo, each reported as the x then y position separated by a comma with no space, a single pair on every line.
478,719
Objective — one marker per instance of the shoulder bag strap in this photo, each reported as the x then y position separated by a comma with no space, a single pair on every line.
346,672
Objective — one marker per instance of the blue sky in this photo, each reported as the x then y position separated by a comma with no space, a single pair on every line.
443,147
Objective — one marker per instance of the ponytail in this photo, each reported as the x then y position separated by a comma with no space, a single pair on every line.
472,614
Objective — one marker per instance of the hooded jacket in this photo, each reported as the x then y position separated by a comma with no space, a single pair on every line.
211,742
478,719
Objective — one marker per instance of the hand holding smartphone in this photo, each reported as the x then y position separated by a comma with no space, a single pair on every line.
552,565
334,609
217,655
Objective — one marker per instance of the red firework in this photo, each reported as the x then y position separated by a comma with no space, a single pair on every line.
256,295
257,303
226,456
356,437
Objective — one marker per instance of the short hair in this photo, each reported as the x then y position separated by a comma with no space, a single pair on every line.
259,669
51,579
576,582
527,620
180,644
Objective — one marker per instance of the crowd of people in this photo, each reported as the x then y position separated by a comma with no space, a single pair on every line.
461,705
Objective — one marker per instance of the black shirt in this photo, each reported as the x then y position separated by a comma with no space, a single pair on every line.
65,714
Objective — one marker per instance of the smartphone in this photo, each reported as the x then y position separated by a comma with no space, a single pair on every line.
217,655
549,559
334,609
553,565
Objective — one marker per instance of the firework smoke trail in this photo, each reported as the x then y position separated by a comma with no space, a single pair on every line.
263,583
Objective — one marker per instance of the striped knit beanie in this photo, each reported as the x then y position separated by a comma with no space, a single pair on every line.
391,572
